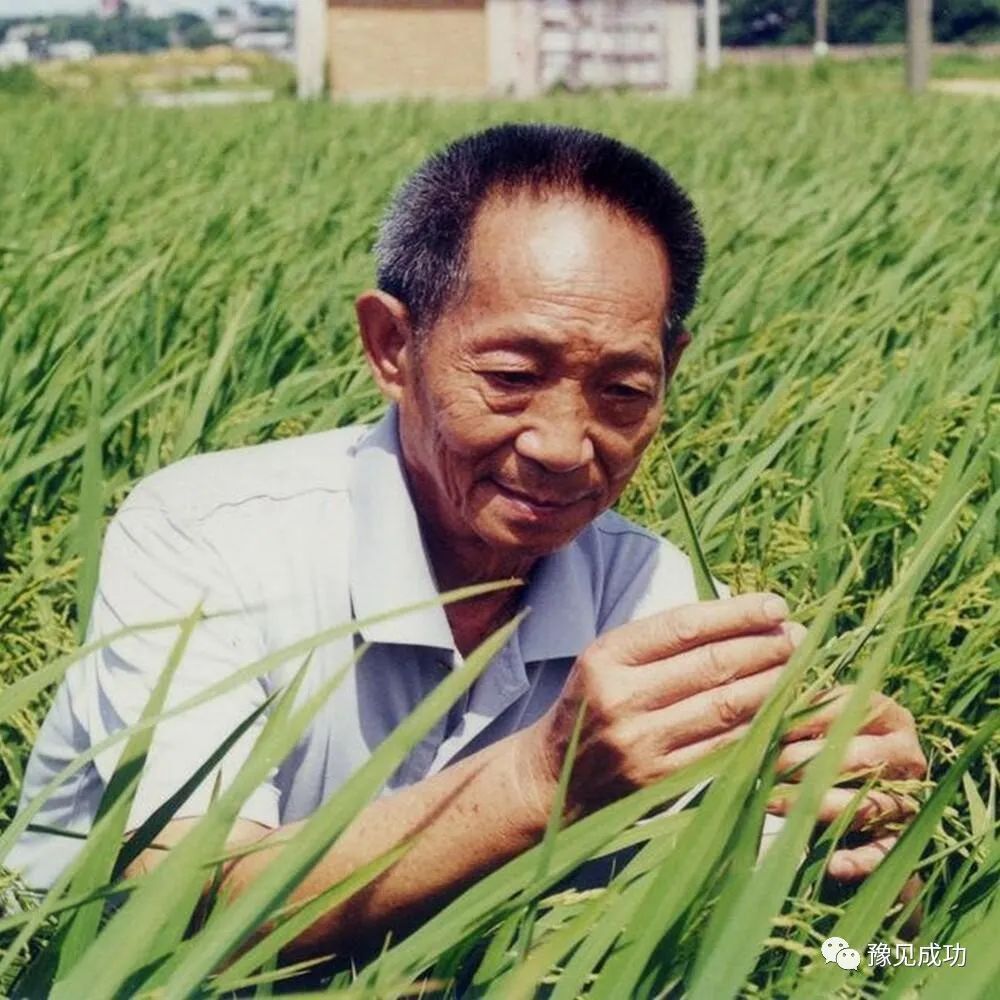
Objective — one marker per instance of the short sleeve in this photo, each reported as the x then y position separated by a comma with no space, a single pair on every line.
642,575
669,582
154,567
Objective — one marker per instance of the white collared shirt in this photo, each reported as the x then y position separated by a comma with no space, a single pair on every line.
291,538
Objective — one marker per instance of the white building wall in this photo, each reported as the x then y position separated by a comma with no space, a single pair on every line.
532,45
536,44
501,43
14,53
310,48
74,50
680,40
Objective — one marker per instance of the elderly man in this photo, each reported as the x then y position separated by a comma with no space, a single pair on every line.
533,285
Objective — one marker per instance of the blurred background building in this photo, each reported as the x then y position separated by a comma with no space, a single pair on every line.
370,49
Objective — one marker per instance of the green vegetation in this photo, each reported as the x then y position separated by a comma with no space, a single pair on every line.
835,77
21,81
124,78
176,282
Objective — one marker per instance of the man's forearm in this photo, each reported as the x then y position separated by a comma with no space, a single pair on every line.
466,821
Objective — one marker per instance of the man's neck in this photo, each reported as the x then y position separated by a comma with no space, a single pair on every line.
462,565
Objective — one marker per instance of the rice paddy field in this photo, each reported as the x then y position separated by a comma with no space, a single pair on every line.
173,282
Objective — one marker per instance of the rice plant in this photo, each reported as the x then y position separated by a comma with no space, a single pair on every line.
181,282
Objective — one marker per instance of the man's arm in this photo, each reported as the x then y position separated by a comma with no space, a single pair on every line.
662,692
468,820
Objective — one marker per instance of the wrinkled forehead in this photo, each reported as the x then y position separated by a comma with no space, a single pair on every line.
525,245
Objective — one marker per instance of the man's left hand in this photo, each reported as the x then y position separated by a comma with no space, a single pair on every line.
886,746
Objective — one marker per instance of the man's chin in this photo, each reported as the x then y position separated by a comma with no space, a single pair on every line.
534,541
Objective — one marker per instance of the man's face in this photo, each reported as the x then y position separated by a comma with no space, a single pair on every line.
533,398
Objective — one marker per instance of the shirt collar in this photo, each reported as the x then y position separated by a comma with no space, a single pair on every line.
389,567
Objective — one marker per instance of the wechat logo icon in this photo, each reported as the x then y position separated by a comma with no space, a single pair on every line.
836,949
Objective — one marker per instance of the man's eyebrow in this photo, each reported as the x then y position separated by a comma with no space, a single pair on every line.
633,359
534,342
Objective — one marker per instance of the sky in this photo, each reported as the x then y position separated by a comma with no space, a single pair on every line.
35,8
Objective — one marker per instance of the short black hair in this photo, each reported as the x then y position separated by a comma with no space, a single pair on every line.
423,240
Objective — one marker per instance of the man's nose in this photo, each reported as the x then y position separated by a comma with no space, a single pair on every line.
558,436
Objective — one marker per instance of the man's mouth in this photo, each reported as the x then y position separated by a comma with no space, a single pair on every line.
539,502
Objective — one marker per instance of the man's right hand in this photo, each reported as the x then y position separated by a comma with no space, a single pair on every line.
661,693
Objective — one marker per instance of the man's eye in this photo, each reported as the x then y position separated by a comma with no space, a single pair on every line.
511,379
626,393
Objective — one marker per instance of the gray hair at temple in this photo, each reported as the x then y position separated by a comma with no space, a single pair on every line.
423,240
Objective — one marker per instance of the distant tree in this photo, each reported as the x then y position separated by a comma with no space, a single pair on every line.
967,20
772,22
765,22
874,22
113,34
62,28
185,20
22,81
198,36
191,30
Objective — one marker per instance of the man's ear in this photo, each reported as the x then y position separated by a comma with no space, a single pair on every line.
678,344
387,337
